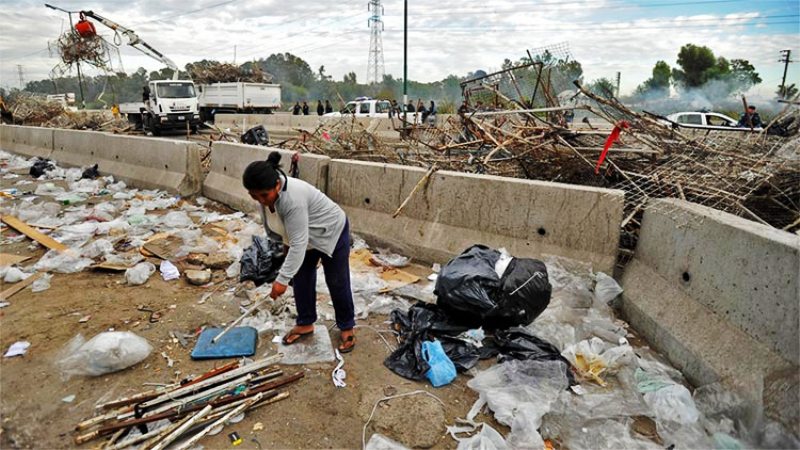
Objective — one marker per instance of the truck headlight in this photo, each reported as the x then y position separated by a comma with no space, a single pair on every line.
197,116
164,119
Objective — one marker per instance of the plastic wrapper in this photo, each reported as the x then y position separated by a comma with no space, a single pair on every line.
48,189
169,271
391,259
86,186
487,439
520,393
62,262
673,403
105,353
261,261
177,219
97,248
139,273
606,288
42,283
607,435
380,442
518,343
14,275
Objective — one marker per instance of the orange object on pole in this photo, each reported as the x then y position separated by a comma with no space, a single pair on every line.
618,127
85,28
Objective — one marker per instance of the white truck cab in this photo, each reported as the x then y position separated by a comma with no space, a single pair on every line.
172,105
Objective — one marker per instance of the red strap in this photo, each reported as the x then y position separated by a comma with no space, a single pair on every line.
609,142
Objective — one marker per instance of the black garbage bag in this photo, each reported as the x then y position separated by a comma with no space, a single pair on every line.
471,293
518,343
463,354
422,322
261,261
524,294
40,166
90,172
467,284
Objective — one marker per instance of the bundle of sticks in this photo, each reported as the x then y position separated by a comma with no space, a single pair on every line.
195,407
214,72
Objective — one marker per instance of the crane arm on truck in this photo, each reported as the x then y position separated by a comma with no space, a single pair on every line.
133,40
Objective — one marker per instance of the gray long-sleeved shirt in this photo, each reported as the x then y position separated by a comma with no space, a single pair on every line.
311,220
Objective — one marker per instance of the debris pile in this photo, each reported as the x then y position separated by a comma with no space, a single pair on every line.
215,72
35,110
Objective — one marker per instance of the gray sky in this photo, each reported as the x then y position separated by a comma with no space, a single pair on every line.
445,37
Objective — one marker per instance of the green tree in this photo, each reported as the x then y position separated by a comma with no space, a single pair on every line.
744,74
787,92
695,62
658,84
603,87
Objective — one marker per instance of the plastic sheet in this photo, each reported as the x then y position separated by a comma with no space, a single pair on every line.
673,403
380,442
177,219
48,189
169,271
316,348
105,353
62,262
139,273
520,393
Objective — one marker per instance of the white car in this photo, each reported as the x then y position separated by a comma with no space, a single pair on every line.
705,120
364,107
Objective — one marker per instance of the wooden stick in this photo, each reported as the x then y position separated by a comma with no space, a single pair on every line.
184,425
419,184
20,285
34,234
239,319
221,421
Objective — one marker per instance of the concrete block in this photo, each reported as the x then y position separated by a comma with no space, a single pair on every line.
743,271
718,295
456,210
27,141
147,163
228,161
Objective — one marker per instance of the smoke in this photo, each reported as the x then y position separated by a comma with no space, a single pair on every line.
723,96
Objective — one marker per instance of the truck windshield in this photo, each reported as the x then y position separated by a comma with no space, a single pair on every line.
175,90
382,107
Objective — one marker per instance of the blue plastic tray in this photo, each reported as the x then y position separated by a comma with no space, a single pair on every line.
240,341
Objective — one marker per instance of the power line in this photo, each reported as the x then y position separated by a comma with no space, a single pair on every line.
375,60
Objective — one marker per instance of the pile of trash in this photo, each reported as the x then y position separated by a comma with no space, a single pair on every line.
565,372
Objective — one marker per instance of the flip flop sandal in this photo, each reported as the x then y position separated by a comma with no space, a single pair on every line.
300,336
347,340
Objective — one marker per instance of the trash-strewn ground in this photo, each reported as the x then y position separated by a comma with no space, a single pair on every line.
625,397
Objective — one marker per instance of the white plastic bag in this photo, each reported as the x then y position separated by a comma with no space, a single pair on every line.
97,248
62,262
14,274
487,439
673,403
42,283
107,352
607,288
139,273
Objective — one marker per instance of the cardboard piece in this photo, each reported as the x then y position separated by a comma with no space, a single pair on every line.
20,286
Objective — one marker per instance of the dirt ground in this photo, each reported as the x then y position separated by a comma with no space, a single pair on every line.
316,414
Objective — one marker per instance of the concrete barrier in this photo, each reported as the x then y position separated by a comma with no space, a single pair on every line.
456,210
282,126
720,297
27,141
142,162
228,161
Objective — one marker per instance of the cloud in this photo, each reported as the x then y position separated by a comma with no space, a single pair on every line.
445,37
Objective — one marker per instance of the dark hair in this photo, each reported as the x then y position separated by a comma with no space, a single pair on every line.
263,174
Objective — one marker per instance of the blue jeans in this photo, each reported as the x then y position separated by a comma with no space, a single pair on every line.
337,277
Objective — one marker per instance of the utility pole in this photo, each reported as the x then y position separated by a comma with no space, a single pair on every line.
405,61
785,55
619,75
375,23
21,78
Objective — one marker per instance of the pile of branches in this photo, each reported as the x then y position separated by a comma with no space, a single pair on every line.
72,48
30,109
214,72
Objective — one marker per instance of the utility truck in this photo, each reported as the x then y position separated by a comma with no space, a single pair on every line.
237,97
166,104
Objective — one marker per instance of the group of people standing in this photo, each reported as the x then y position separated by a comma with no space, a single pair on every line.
411,108
304,110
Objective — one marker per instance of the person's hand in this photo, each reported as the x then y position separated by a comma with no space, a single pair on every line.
278,289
